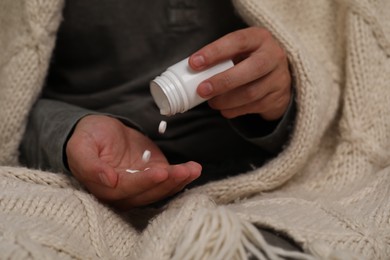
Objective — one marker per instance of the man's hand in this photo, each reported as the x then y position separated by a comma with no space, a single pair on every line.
259,83
100,150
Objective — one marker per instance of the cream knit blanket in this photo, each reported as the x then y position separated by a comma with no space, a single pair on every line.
329,189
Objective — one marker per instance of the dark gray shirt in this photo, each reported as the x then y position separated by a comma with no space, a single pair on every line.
106,54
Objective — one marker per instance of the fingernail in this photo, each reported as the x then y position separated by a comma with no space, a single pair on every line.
198,60
205,89
103,178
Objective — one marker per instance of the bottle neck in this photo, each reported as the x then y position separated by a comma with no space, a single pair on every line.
169,94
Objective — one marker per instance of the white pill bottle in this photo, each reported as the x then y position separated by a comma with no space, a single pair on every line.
174,91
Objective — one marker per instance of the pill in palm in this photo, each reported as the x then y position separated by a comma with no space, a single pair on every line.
132,171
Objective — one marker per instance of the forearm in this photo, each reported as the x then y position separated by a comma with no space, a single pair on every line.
49,125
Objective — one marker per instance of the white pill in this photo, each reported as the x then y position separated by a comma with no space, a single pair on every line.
146,156
162,127
132,171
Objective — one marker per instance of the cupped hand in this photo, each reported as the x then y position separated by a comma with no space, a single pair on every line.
101,149
260,81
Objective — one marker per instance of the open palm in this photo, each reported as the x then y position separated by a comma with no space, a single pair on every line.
100,150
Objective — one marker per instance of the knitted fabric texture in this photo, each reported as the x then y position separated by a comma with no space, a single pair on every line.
328,189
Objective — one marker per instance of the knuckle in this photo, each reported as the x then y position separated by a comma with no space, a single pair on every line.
228,113
266,34
224,82
213,50
251,93
242,37
261,33
260,106
285,100
283,80
213,103
286,80
281,54
259,65
280,101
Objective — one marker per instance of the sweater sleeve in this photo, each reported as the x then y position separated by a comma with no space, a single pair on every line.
49,126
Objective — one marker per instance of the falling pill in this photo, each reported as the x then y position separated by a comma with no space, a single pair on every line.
146,156
162,127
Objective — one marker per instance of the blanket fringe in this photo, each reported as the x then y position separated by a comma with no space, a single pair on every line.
220,234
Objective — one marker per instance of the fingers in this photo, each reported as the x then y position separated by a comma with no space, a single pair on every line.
271,107
257,65
179,177
233,44
263,55
260,81
145,187
129,184
266,96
